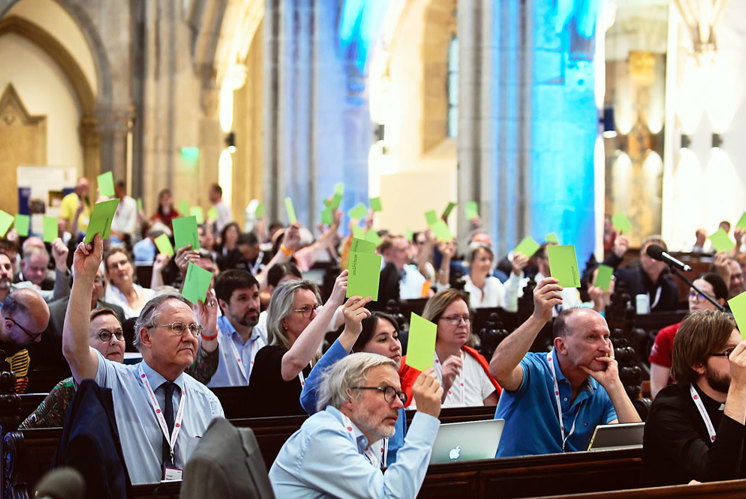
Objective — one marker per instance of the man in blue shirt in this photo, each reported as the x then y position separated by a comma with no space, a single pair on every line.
238,335
161,412
331,454
579,376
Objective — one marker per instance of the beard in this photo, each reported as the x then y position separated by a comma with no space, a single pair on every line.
718,382
377,430
245,319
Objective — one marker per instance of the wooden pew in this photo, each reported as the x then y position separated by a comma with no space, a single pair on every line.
735,489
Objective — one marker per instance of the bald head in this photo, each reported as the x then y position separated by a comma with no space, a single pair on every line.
25,316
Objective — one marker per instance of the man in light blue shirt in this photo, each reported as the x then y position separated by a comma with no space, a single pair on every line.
157,436
331,455
552,402
238,335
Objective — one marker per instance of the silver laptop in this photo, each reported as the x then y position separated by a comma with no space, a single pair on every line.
617,436
467,441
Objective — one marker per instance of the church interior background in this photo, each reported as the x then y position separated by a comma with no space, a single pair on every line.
547,113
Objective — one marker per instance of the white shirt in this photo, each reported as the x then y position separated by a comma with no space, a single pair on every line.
410,286
494,294
225,216
476,385
114,296
125,218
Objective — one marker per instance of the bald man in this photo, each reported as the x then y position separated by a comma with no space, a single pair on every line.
24,315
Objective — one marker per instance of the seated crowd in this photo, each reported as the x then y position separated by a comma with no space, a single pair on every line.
73,311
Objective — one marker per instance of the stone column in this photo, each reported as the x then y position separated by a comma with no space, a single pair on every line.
113,126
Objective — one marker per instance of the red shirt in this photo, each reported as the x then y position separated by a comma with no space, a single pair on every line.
662,351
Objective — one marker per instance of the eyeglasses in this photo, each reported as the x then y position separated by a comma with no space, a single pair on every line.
456,319
105,335
33,336
693,295
179,328
726,353
389,393
307,311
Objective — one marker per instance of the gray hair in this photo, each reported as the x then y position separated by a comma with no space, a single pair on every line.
150,314
281,306
338,380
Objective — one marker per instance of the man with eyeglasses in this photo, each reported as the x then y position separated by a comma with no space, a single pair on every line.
161,412
696,428
331,454
552,402
24,318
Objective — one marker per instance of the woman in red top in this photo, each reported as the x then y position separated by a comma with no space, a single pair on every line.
166,211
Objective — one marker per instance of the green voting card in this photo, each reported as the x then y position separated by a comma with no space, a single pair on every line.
50,229
139,205
196,283
365,273
212,214
373,237
339,188
448,210
421,342
375,204
742,221
290,211
737,305
527,247
362,246
163,243
22,225
552,238
431,216
336,201
603,277
409,234
327,216
358,212
6,220
441,231
101,218
258,212
183,208
621,223
472,210
198,213
358,232
721,241
185,232
563,265
105,183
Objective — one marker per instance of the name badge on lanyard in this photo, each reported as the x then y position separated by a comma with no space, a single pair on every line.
550,356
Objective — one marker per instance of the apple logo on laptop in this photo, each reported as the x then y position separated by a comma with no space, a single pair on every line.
455,453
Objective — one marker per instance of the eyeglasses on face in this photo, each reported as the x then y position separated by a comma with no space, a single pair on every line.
389,393
725,353
693,295
105,335
307,311
179,328
28,333
456,319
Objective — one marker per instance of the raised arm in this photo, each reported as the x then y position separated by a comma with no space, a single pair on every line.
307,344
82,359
505,364
156,279
61,274
290,241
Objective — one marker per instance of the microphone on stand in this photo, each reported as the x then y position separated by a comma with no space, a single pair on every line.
657,252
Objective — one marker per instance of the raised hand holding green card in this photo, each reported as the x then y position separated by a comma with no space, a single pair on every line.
358,212
563,265
431,217
362,246
471,209
365,274
290,210
621,223
185,232
742,221
421,342
738,307
373,237
527,247
163,243
198,213
375,204
603,277
449,208
101,218
196,283
552,238
721,241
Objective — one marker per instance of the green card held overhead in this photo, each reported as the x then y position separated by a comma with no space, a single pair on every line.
163,243
448,210
431,216
409,234
212,214
336,201
327,217
358,232
373,237
339,188
358,212
737,305
198,213
472,210
196,283
603,277
50,229
105,183
139,205
742,221
185,232
101,218
365,274
290,211
183,208
421,342
441,231
362,246
6,220
721,241
259,210
375,204
22,225
552,238
563,265
621,223
527,247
